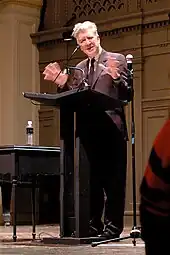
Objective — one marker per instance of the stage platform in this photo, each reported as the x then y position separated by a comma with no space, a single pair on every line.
25,246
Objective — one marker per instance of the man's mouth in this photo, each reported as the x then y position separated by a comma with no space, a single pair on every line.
90,48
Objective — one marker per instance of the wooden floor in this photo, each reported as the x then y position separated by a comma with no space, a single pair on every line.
24,245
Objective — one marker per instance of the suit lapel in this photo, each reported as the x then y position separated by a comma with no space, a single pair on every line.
102,60
86,68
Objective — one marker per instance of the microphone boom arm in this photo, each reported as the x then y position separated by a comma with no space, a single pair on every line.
74,51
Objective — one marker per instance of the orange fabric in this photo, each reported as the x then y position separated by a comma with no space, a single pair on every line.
154,181
152,185
162,144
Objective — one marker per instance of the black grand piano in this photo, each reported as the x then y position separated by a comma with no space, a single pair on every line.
24,166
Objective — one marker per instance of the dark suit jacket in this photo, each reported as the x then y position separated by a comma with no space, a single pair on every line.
104,83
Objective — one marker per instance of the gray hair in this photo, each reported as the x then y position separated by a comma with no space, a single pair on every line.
84,26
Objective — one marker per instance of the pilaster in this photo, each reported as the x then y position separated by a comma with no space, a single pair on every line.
19,69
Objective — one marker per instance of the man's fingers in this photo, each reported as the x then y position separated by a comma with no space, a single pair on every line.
57,65
46,77
49,65
112,62
53,66
47,71
118,71
51,71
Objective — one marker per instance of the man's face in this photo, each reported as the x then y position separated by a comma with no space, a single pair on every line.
89,42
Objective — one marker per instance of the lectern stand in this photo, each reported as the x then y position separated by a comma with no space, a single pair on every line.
74,168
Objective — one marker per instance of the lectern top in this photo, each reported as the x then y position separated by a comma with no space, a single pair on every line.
76,98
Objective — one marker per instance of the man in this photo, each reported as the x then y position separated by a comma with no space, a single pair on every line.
155,196
103,135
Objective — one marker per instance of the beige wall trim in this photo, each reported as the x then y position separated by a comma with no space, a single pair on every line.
28,3
155,99
155,103
55,35
20,73
49,35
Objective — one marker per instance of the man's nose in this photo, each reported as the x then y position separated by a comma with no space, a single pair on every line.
88,41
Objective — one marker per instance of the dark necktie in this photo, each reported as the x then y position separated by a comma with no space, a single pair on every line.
91,72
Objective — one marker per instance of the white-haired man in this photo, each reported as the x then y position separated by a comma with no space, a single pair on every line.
104,136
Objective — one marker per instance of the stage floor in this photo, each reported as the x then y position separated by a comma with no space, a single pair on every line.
24,245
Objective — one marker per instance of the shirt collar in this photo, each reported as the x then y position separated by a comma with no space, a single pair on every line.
99,53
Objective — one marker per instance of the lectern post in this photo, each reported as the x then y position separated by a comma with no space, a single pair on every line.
74,179
67,216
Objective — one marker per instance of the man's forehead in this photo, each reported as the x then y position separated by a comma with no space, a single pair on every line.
84,33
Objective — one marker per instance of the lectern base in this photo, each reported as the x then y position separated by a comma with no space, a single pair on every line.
70,240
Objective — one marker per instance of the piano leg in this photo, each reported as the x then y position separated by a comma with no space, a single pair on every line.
33,208
14,187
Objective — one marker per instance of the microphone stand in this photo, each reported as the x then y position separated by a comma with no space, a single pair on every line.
66,69
135,232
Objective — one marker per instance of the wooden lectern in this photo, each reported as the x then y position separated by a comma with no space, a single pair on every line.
74,166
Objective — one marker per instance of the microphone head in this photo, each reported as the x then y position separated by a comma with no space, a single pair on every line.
77,47
75,50
129,58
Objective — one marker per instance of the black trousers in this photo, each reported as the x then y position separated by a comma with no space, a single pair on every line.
106,150
155,233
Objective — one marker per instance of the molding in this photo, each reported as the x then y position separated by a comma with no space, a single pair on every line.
47,113
151,104
25,3
54,36
155,108
155,99
142,16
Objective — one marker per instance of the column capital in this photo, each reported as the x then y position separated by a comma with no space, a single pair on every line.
27,3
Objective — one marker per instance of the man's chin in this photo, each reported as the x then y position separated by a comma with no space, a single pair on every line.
91,54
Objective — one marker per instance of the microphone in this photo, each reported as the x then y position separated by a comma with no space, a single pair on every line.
74,51
130,92
129,59
65,70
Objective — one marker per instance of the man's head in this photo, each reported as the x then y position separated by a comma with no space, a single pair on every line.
87,38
